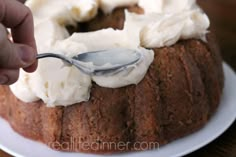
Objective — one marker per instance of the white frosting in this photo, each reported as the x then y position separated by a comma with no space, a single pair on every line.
170,28
167,6
109,5
63,11
163,24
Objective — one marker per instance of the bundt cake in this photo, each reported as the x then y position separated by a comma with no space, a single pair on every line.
170,94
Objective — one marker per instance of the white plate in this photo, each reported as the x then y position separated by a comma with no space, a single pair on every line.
19,146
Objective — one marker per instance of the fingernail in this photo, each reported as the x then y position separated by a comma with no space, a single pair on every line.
3,80
27,55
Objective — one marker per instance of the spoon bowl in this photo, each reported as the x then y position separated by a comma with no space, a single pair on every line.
100,62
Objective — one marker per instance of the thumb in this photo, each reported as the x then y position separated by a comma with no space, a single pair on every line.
14,56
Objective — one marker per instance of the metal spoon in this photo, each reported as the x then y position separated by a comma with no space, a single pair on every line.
100,62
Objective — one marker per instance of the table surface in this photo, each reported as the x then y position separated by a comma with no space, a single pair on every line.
223,20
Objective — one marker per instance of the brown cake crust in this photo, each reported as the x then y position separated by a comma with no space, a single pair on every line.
179,93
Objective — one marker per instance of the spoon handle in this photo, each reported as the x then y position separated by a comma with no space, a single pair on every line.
47,55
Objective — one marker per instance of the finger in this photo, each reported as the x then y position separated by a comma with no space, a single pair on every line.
8,76
14,56
19,18
31,68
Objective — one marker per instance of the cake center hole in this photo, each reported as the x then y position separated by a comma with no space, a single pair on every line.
114,20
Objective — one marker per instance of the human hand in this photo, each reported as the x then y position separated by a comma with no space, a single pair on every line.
21,53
